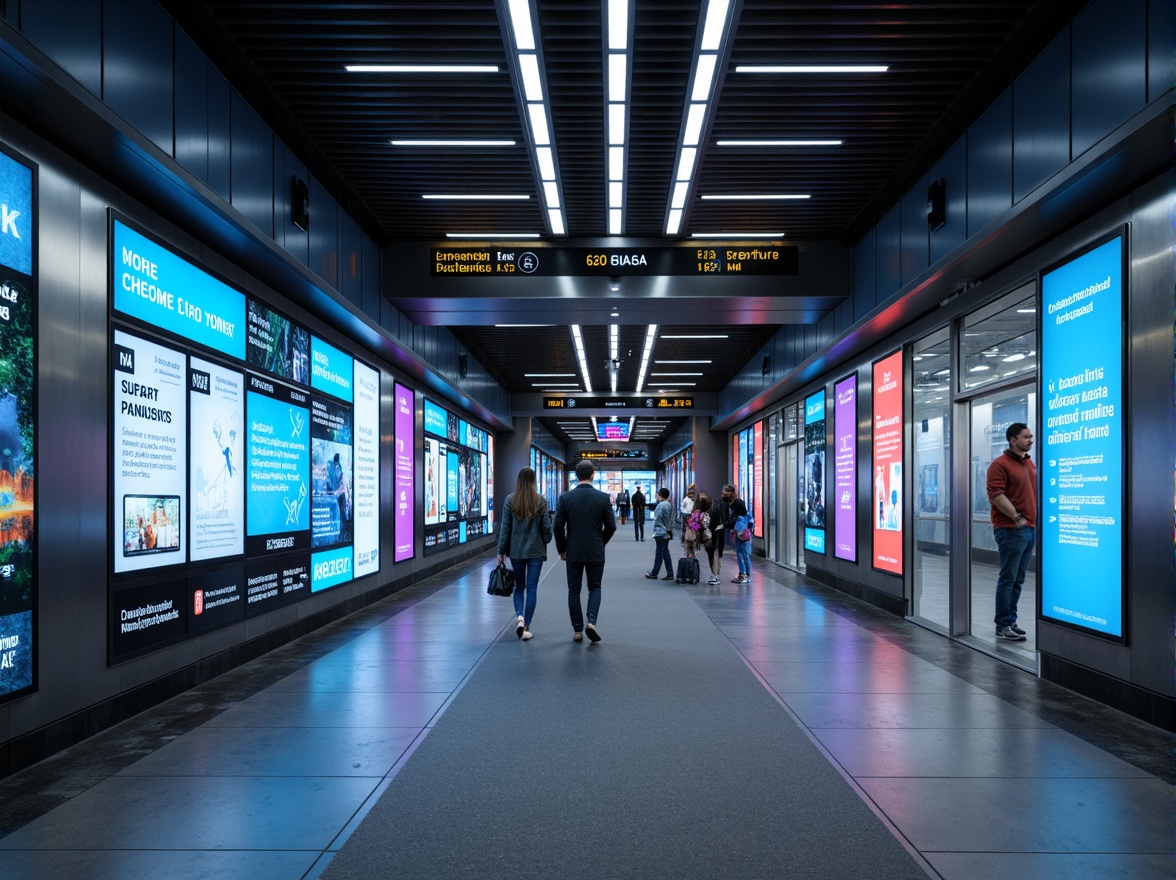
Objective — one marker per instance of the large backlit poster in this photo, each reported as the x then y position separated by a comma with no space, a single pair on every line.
455,480
757,502
331,473
277,498
216,397
166,291
366,494
845,468
814,472
150,454
1080,458
886,513
276,344
404,469
18,447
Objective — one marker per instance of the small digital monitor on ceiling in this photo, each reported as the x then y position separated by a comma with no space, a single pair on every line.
612,431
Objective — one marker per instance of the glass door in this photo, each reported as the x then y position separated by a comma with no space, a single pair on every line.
791,485
931,512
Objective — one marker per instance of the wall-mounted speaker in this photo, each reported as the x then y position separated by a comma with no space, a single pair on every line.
462,365
936,204
299,204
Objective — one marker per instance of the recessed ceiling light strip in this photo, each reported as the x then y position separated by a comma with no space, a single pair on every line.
578,344
713,46
618,76
520,31
646,354
614,345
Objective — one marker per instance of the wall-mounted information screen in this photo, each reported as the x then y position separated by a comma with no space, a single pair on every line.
1080,456
18,293
845,468
814,472
457,468
404,466
245,468
887,504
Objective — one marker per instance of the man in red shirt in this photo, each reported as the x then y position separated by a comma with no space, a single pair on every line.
1012,491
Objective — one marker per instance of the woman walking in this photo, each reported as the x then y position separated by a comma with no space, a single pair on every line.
742,548
526,532
707,536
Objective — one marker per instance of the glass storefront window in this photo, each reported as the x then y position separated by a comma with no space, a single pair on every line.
999,342
931,511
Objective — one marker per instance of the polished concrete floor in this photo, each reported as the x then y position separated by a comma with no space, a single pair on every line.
980,769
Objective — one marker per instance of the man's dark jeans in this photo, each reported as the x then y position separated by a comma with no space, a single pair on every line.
576,571
1015,547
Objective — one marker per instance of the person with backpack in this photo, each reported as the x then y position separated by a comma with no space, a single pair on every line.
722,526
740,527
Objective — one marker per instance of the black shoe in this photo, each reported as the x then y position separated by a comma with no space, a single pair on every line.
590,631
651,575
1018,630
668,577
1008,634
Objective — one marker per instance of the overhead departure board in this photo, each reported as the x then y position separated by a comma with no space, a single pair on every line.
492,261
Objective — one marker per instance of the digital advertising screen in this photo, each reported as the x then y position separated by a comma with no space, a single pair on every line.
886,513
756,504
276,345
404,470
151,461
455,480
618,431
18,292
1080,458
814,472
216,437
845,468
366,494
165,291
331,473
277,500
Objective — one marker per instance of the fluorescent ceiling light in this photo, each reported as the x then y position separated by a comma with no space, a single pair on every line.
755,197
979,368
1026,311
675,222
533,325
555,384
422,68
616,163
704,76
618,68
520,23
557,222
675,374
1013,358
539,131
686,163
551,193
440,142
812,68
546,161
694,336
783,142
616,124
547,375
618,24
683,362
493,236
616,194
532,82
694,120
739,235
615,221
681,190
716,20
475,197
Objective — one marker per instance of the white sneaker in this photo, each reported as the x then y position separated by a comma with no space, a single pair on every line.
520,628
527,634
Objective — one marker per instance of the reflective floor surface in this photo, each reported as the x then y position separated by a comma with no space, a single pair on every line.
979,768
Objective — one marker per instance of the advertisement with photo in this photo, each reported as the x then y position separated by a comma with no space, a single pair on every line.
277,499
216,446
150,447
814,473
887,508
366,494
330,473
276,344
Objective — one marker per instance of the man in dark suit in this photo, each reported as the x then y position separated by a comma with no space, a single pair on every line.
583,524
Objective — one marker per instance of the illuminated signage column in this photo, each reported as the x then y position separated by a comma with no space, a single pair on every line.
367,470
814,472
1080,457
405,468
18,588
845,468
886,512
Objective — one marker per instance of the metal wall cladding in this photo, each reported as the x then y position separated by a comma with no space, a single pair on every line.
137,84
296,241
889,264
371,278
191,107
1161,60
916,240
350,270
990,164
952,169
70,33
324,234
1041,118
252,158
865,275
1109,68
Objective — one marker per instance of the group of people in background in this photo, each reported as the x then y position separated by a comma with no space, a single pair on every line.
584,523
706,524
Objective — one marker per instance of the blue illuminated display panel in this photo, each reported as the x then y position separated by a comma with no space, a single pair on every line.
18,294
814,472
1080,455
457,480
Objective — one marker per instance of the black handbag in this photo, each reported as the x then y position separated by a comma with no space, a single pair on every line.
501,581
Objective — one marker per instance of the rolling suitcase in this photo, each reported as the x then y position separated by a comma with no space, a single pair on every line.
687,570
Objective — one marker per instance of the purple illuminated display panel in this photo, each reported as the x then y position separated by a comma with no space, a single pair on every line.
405,469
845,468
